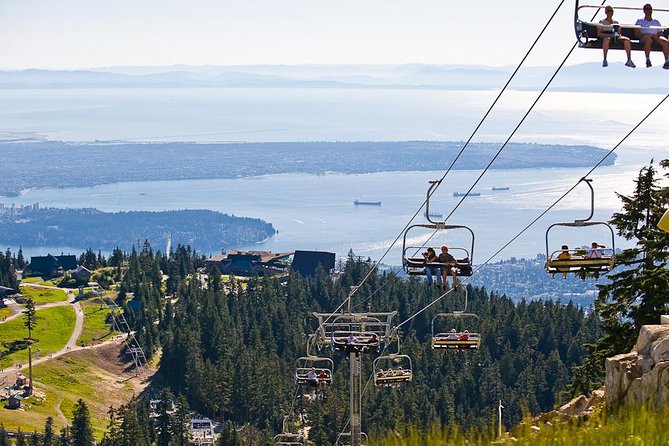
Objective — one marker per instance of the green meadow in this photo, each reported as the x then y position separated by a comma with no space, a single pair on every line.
43,295
53,329
96,328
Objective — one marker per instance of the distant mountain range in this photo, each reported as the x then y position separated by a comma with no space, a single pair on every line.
584,77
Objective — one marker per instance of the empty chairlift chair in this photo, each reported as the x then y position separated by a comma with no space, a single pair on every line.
344,439
286,439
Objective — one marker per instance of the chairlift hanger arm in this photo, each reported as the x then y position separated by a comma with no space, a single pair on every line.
579,224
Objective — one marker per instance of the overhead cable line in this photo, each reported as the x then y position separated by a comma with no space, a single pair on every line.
522,231
450,167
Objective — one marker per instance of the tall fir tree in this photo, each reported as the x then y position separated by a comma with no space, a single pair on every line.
48,436
638,291
81,430
4,438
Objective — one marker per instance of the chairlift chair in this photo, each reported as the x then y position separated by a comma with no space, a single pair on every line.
355,341
586,30
391,370
583,262
322,368
463,336
344,439
338,325
287,439
415,265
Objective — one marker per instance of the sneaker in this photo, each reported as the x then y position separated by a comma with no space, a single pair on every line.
605,63
666,65
648,64
630,64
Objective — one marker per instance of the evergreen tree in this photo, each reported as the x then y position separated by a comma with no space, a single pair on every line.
21,439
64,439
164,420
34,439
4,438
48,436
20,260
30,320
181,420
82,431
637,293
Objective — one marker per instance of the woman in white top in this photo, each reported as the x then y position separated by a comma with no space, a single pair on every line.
606,31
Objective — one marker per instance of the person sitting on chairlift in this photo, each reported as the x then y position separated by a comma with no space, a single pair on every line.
464,336
564,255
451,267
606,30
323,379
453,335
647,36
595,252
431,257
312,378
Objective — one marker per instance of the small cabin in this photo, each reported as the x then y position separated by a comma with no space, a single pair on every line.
14,402
21,381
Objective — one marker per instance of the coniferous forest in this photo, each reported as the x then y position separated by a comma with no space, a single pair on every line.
230,348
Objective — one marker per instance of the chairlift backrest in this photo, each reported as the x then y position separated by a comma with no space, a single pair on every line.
392,369
379,324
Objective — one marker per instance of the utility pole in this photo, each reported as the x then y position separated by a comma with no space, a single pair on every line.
30,370
356,398
499,409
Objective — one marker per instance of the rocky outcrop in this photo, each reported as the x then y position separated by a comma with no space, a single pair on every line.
641,376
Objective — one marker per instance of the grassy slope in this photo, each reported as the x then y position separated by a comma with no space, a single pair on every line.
96,376
43,295
5,312
54,328
627,426
96,330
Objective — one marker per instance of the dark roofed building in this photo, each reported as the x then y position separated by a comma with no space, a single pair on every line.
51,266
250,263
306,262
4,291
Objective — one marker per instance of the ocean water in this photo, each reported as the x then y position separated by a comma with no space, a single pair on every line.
317,211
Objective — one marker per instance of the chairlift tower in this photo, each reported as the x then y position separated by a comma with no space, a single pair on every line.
355,334
132,345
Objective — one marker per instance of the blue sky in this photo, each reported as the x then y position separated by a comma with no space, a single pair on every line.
85,33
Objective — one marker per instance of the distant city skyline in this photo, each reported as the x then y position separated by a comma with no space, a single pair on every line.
75,34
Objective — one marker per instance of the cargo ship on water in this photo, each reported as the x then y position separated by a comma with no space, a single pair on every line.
366,203
494,188
471,194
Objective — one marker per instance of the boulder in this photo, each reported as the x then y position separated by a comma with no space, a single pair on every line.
641,376
576,406
659,350
649,334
